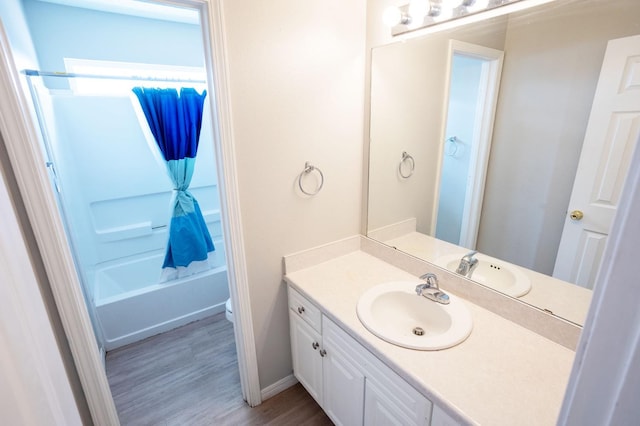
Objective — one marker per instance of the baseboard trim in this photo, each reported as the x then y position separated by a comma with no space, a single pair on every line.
279,386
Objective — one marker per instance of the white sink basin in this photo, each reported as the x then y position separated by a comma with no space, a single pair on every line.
493,273
393,310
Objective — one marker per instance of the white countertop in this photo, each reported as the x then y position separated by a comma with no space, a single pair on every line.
503,374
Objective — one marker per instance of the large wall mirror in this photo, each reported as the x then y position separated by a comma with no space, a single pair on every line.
512,137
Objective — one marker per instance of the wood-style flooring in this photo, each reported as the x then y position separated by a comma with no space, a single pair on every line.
189,376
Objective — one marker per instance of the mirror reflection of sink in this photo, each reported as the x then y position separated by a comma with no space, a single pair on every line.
493,273
395,313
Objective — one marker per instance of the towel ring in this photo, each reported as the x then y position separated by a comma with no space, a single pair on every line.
308,168
406,157
452,146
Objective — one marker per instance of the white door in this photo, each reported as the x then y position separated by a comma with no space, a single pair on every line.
612,133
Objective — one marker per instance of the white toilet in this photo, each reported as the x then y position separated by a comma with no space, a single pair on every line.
228,313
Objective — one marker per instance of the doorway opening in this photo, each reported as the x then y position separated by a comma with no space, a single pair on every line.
473,84
88,173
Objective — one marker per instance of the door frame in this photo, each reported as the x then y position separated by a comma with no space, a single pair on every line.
22,143
483,134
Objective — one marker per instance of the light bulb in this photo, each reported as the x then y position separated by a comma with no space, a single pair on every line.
445,14
451,4
392,16
418,9
478,5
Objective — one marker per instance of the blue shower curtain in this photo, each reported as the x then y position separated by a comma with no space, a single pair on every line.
175,120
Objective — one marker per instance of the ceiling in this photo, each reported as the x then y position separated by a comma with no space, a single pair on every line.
142,8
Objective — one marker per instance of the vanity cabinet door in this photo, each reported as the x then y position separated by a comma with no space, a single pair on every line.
390,400
306,344
379,409
344,378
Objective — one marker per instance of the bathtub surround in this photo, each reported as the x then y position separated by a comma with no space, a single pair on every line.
175,120
95,191
114,196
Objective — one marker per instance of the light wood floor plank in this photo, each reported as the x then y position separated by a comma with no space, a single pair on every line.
189,376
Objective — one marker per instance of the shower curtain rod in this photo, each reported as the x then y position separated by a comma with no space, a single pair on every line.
36,73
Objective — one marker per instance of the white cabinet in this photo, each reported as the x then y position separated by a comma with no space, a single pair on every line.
344,378
351,385
305,344
389,400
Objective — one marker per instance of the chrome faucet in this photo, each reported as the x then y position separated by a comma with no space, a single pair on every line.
431,290
467,264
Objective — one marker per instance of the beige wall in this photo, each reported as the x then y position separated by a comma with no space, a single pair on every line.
550,74
297,83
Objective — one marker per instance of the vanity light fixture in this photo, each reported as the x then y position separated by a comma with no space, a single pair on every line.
420,14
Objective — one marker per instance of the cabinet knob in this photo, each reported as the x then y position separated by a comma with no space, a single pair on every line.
323,352
300,309
315,345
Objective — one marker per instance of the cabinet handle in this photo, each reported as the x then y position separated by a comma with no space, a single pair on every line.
323,352
300,309
315,345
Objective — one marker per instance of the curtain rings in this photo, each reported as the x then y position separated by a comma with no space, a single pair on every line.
406,158
308,168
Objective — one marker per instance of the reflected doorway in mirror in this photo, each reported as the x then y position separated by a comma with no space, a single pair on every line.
473,85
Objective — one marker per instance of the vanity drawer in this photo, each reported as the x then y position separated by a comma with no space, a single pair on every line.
305,309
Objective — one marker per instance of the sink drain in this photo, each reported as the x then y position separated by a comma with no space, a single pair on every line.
418,331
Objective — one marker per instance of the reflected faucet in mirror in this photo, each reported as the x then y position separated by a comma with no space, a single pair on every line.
467,264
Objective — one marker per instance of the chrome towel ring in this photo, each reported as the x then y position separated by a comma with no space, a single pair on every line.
406,158
308,168
452,146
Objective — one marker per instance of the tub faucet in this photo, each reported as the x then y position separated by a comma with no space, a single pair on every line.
467,264
431,290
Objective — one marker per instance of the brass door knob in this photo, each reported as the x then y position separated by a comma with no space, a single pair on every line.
576,215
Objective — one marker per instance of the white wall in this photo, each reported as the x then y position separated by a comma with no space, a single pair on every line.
297,82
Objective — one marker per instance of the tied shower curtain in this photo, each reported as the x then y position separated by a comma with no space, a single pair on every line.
175,121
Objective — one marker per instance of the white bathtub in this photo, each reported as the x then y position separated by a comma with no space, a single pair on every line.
131,305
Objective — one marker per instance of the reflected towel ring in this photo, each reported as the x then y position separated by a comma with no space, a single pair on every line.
406,157
308,168
452,147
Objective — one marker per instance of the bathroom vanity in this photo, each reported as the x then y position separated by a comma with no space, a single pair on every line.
502,373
